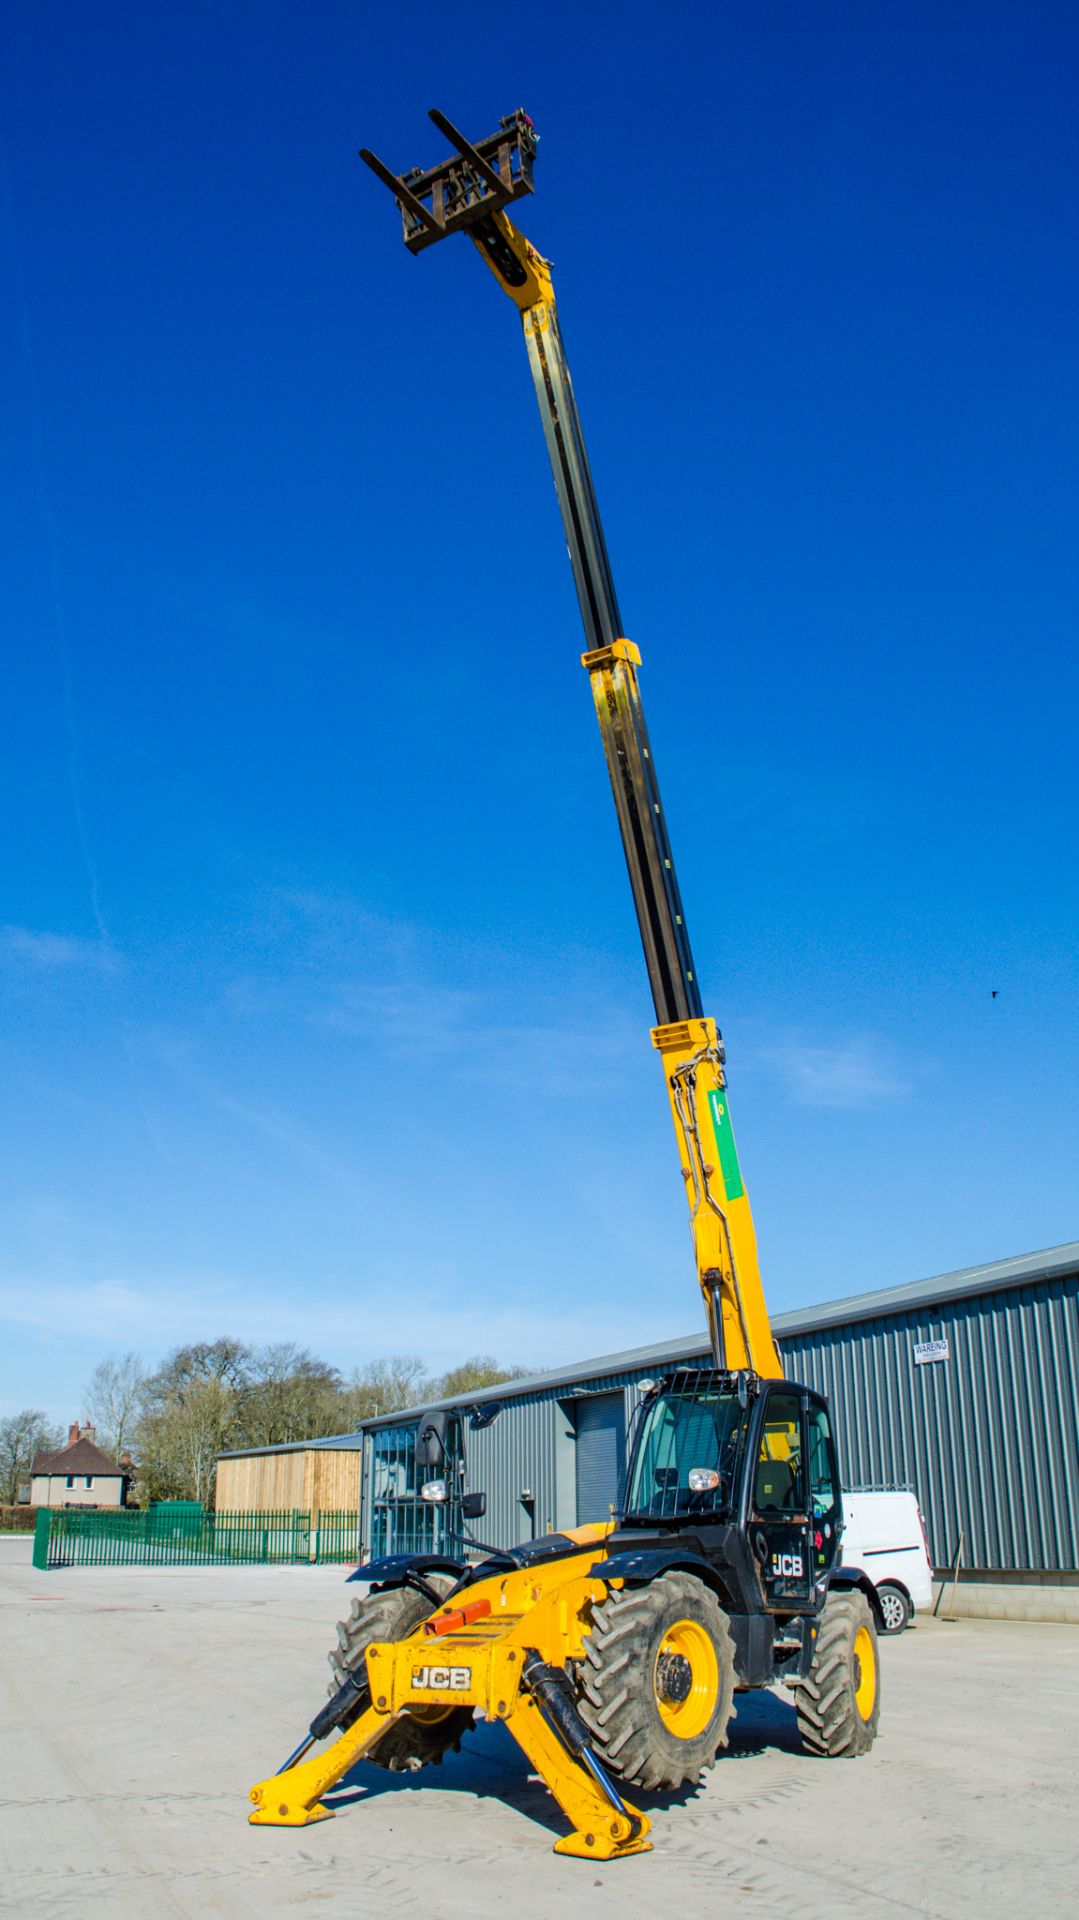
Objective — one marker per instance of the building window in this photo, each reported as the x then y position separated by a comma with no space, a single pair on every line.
89,1479
71,1479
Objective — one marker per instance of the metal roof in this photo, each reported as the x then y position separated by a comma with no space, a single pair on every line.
1021,1270
341,1441
1018,1271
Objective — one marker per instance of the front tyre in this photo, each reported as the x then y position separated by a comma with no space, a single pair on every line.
422,1735
838,1702
656,1685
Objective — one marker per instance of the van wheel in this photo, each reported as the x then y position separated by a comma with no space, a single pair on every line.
895,1606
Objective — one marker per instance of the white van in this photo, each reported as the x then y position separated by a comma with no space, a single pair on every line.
884,1535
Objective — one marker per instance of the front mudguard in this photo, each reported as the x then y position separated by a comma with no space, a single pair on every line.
393,1569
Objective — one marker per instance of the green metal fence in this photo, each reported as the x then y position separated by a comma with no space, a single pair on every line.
336,1538
180,1533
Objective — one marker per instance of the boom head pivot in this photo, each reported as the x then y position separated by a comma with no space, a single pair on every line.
476,182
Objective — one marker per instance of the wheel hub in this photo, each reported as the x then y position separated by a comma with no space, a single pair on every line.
892,1608
674,1678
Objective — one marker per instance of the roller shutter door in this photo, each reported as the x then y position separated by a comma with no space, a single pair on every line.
601,1452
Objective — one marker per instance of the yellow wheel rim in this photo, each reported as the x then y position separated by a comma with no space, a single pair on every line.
686,1679
865,1672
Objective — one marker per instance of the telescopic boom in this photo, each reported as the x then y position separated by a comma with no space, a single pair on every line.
469,193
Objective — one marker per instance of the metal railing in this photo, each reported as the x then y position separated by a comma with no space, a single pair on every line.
182,1534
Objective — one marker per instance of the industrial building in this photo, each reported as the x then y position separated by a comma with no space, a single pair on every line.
964,1387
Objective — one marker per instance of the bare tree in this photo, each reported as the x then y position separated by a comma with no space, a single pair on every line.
387,1386
290,1395
21,1436
112,1397
481,1370
179,1441
185,1368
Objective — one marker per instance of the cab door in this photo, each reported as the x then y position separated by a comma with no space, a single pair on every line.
826,1516
779,1504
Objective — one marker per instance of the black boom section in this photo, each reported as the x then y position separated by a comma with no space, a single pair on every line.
469,192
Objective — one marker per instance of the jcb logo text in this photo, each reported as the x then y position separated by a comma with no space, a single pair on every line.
787,1565
441,1679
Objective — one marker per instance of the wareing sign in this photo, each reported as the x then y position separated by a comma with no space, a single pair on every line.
926,1351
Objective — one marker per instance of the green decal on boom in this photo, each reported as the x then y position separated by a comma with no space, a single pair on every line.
728,1152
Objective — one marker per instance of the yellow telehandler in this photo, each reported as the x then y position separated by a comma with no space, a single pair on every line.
613,1652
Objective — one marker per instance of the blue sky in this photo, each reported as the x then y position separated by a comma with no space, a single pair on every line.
324,1013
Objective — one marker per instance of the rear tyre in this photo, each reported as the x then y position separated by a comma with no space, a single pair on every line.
656,1685
895,1606
422,1735
838,1702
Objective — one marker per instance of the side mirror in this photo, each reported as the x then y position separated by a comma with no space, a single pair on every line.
474,1506
431,1451
484,1414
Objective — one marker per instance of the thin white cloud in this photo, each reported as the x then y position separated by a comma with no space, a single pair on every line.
115,1311
395,987
49,952
550,1058
263,1118
853,1074
358,1323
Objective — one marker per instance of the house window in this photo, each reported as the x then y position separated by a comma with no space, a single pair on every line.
71,1479
89,1480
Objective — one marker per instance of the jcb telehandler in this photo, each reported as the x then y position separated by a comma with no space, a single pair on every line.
613,1652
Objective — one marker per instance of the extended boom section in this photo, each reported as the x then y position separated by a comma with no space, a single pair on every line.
469,192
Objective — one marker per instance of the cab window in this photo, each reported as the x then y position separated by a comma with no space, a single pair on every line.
779,1485
822,1481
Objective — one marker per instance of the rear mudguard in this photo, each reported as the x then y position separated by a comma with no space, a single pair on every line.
846,1579
638,1568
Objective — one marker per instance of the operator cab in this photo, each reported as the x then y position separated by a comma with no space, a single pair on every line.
714,1449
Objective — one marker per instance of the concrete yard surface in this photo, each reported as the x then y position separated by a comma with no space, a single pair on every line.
137,1706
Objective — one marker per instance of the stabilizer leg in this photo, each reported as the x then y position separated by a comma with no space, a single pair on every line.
599,1832
290,1798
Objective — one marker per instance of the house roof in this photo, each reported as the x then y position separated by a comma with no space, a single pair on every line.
82,1457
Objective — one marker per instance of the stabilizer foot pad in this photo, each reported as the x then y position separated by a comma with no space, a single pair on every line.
602,1848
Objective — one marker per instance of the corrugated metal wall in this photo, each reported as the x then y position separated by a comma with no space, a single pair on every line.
529,1448
987,1438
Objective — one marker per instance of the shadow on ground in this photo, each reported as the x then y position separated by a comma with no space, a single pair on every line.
491,1765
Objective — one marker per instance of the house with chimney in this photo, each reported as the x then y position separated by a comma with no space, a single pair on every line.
79,1475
